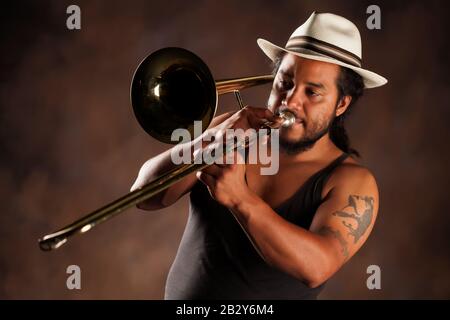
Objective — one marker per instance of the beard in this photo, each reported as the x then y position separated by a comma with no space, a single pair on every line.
308,140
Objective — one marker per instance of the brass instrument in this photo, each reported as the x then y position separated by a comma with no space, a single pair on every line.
171,88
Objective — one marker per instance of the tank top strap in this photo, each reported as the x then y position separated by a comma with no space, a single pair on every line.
323,176
301,207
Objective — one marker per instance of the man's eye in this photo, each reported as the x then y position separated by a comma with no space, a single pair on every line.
312,93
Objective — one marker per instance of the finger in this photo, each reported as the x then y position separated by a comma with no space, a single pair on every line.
206,179
257,117
220,153
213,170
262,113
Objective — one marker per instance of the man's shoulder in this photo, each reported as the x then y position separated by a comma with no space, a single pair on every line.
351,174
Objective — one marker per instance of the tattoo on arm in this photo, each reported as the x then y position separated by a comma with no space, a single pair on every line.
362,214
326,230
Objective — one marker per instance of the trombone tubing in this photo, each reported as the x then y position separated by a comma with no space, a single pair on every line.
58,238
232,85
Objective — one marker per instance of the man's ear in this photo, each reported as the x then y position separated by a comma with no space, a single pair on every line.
343,105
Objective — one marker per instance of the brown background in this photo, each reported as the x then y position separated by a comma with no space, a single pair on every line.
70,143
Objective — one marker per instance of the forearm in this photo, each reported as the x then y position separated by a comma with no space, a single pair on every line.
160,165
149,171
282,244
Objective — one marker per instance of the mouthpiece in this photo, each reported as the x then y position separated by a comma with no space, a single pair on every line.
288,118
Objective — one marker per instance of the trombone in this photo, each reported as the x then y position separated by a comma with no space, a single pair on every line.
171,88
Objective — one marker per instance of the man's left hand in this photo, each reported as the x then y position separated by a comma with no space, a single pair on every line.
226,183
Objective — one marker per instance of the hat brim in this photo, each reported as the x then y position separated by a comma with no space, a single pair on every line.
371,79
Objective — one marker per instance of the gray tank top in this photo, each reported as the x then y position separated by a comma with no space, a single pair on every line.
216,260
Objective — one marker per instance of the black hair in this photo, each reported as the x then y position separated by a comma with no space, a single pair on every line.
348,83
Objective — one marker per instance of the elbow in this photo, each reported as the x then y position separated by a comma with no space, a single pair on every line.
315,281
149,204
143,206
312,279
322,266
316,276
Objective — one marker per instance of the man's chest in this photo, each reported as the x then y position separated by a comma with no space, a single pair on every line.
276,189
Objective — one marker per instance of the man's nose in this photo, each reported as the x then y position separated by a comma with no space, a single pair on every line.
294,101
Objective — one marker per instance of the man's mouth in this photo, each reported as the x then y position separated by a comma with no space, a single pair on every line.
298,120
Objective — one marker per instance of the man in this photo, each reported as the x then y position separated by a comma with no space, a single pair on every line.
281,236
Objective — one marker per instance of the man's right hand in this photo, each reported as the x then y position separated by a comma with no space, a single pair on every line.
248,117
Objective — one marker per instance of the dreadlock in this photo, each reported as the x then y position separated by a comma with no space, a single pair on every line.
349,83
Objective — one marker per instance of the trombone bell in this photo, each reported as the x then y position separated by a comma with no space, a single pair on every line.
173,87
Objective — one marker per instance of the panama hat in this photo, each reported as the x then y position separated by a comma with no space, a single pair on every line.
329,38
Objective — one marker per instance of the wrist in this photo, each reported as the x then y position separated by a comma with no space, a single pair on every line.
242,205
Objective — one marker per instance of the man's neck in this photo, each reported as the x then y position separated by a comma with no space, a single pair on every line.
323,149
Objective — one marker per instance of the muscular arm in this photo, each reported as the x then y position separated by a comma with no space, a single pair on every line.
339,228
